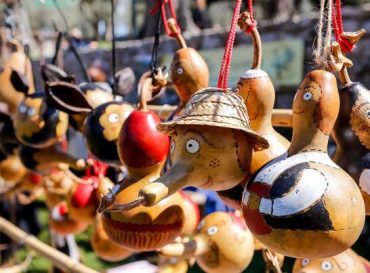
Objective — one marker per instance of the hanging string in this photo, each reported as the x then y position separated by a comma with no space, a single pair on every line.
254,22
161,4
154,59
223,77
322,51
345,44
57,47
113,47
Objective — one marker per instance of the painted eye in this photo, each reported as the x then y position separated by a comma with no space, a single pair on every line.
113,118
172,146
22,109
179,71
307,96
367,114
305,262
326,266
212,230
192,146
31,111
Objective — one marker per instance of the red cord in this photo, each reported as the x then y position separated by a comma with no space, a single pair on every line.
345,44
223,77
254,23
97,169
162,5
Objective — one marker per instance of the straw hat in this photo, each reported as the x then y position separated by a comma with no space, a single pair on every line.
216,107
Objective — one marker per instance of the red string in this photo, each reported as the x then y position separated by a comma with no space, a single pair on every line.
162,5
97,169
345,44
223,77
254,23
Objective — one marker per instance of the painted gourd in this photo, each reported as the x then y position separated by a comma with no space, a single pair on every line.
12,169
143,150
211,146
192,215
189,71
345,262
258,92
101,124
19,62
223,244
104,247
295,206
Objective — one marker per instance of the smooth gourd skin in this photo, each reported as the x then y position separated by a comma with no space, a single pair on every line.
352,136
102,128
296,206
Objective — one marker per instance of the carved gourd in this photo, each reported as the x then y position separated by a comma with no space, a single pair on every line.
189,71
143,150
295,206
351,132
257,90
223,244
345,262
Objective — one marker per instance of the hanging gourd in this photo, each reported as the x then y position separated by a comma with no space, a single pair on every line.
104,247
213,123
257,90
141,228
351,132
19,62
222,244
345,262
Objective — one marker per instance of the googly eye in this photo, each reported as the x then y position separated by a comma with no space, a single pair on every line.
113,118
180,71
172,146
31,111
305,262
212,230
326,266
367,114
192,146
22,109
307,96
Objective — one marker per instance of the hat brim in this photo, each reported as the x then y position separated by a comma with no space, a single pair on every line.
259,142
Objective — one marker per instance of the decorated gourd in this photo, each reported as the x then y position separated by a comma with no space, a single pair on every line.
102,123
104,247
19,62
143,150
61,222
306,205
351,132
36,123
12,169
192,215
222,244
211,146
345,262
189,71
257,90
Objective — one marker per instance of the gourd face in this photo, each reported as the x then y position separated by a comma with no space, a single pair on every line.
189,73
102,128
37,125
346,262
198,150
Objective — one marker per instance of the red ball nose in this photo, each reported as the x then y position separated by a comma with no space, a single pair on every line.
140,144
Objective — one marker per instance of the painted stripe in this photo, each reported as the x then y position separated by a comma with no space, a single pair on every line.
269,174
311,187
254,73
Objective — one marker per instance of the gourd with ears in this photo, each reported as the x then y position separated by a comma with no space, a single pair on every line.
294,206
99,122
351,132
257,90
19,62
142,228
223,244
